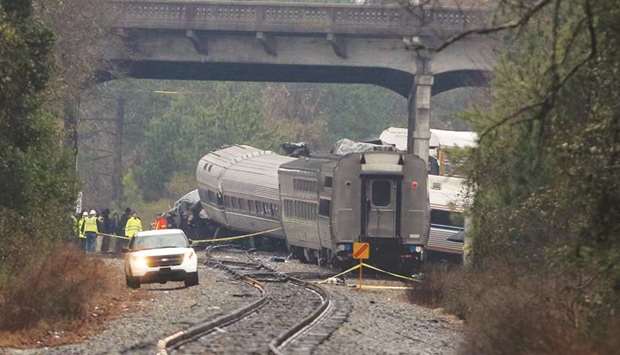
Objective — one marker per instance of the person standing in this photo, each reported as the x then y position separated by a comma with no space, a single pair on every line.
133,226
90,231
161,222
81,235
107,227
123,222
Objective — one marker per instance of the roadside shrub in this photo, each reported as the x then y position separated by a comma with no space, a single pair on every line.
57,285
512,309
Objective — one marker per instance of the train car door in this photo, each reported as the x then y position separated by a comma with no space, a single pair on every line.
380,198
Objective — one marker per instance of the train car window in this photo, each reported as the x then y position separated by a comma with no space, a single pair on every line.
276,210
211,196
287,208
325,207
220,199
251,206
266,209
381,192
271,211
328,181
242,204
443,218
304,185
259,208
226,201
234,202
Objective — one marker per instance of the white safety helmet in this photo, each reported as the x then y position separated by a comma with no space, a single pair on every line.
85,214
93,212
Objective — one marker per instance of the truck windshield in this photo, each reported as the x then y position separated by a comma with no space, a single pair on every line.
172,240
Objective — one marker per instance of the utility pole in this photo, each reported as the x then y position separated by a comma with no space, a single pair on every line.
117,165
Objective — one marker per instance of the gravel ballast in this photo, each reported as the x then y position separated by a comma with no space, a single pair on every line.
376,321
382,321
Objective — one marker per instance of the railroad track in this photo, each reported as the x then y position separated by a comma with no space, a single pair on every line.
290,316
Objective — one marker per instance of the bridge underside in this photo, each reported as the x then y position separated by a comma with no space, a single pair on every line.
392,79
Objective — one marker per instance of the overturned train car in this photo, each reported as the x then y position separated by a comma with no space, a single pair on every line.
322,204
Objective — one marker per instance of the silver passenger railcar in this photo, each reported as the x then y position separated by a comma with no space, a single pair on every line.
323,204
448,220
238,187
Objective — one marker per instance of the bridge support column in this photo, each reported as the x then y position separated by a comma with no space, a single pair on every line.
419,107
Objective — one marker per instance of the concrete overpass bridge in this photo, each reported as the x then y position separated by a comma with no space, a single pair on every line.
385,45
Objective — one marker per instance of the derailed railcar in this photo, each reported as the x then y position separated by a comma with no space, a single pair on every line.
448,220
381,197
323,204
238,187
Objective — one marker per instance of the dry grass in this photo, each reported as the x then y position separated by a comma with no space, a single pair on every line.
441,287
62,290
510,311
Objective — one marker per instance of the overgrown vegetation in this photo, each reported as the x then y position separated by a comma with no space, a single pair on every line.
52,288
545,277
41,280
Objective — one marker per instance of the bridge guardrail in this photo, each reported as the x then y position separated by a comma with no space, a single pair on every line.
349,19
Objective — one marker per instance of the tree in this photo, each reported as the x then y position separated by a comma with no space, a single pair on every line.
36,176
82,30
196,124
545,175
26,134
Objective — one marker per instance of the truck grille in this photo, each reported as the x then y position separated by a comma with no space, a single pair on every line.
164,260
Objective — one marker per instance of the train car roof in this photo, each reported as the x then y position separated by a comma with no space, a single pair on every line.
305,163
255,172
230,155
439,138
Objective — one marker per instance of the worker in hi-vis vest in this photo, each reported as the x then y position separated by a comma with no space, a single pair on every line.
90,231
81,235
133,226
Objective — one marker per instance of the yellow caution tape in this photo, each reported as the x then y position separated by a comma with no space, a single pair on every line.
113,236
384,287
390,273
342,273
235,237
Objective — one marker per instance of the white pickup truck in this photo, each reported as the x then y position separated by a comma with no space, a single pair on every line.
160,256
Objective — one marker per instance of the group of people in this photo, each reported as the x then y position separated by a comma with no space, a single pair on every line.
90,224
110,225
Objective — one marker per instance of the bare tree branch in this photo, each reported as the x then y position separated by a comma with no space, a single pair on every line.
540,4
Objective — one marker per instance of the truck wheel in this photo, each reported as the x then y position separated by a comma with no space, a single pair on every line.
132,282
191,279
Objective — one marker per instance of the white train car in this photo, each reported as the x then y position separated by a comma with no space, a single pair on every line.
448,222
238,187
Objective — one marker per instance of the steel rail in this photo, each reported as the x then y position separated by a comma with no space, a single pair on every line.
277,345
184,336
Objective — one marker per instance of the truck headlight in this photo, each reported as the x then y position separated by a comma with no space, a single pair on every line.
189,255
138,262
